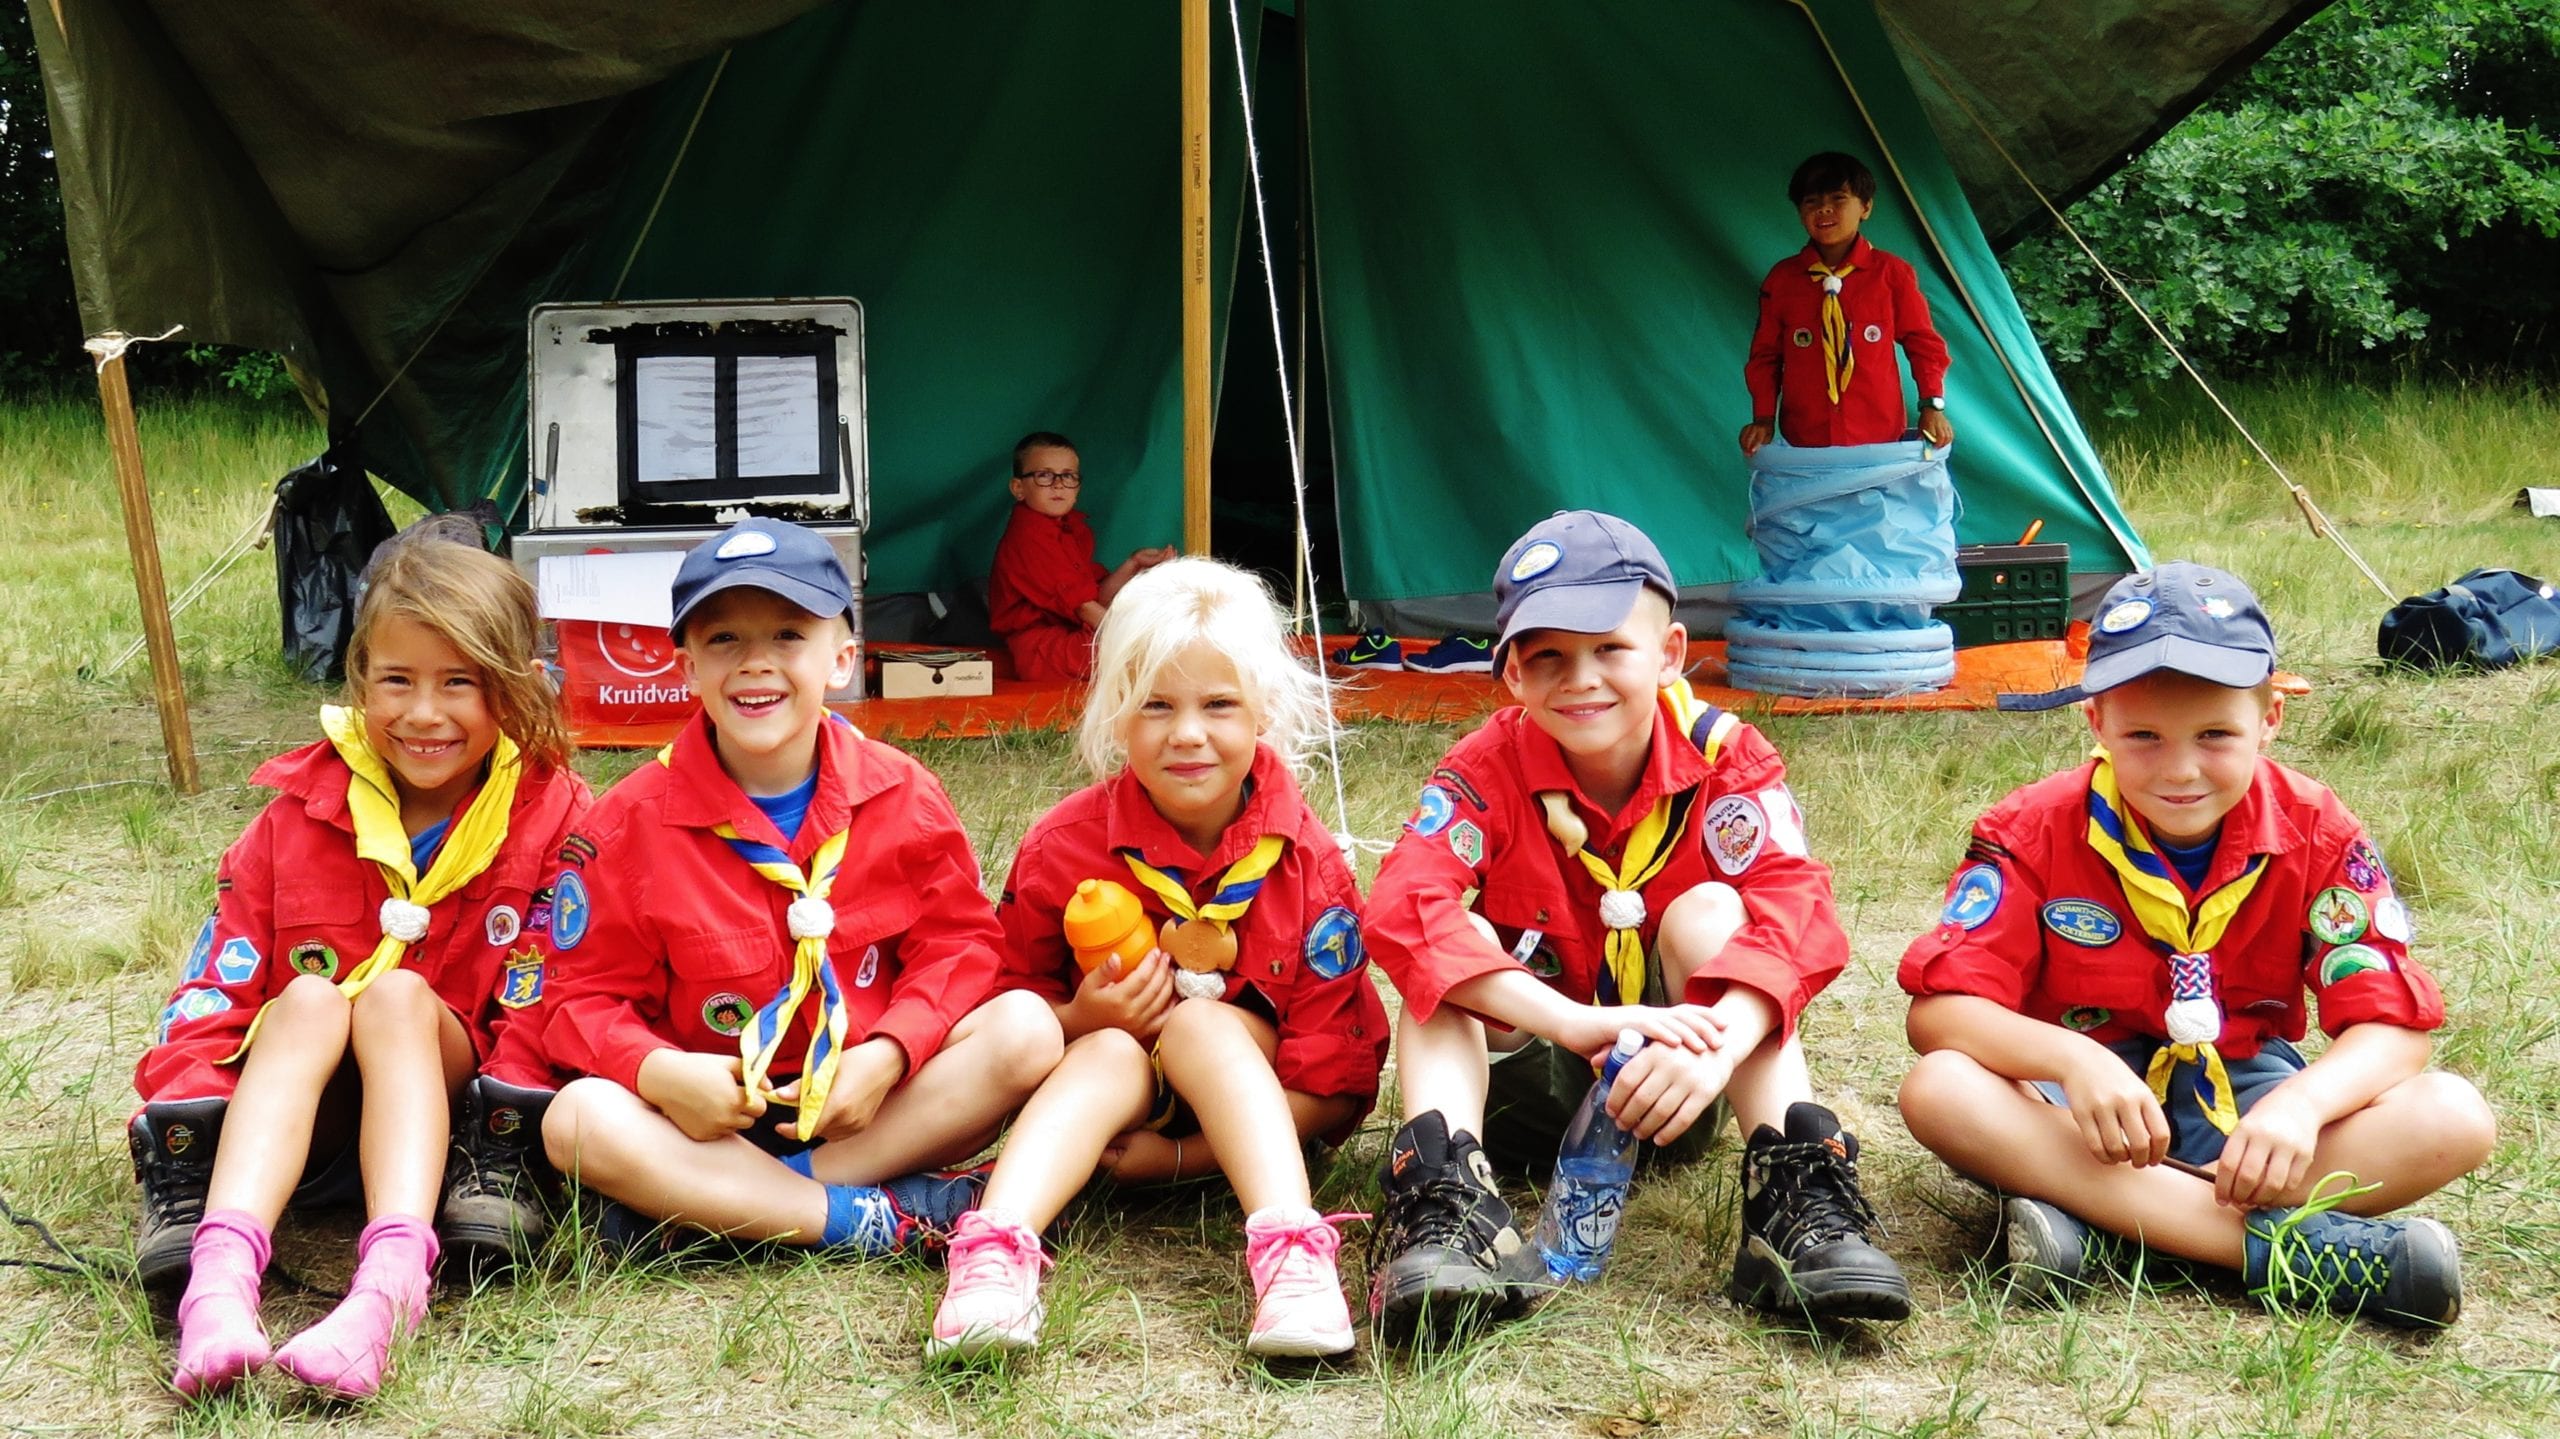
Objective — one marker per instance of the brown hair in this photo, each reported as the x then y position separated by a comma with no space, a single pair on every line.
485,610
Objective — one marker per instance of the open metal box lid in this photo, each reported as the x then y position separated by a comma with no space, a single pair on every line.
692,413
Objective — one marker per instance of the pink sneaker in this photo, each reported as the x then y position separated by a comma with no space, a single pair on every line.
1298,1309
992,1301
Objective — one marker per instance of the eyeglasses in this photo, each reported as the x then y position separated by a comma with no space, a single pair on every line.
1052,479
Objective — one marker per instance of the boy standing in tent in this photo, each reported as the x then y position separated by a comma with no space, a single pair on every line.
1821,368
1636,863
2106,1008
1047,593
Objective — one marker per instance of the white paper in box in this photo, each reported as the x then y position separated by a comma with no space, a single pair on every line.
632,588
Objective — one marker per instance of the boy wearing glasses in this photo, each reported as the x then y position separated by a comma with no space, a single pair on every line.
1047,592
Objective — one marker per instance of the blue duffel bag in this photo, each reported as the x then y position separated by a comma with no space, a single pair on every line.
2487,618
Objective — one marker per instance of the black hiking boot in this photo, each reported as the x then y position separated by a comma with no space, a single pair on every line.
1453,1253
495,1179
173,1143
1805,1227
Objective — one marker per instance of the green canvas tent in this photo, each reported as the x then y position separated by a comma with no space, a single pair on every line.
1536,228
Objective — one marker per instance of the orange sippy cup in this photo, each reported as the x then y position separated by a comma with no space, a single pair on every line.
1104,919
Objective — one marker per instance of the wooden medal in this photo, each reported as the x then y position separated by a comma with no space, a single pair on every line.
1198,945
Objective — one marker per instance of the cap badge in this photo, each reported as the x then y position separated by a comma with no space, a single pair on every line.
2218,607
1535,561
743,545
2125,615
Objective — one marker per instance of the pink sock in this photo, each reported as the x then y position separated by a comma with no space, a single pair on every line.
219,1337
349,1353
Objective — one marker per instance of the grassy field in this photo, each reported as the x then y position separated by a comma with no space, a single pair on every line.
104,874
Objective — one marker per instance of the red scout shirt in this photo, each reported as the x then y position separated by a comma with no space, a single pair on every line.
2059,942
1881,300
1479,826
292,897
667,940
1044,572
1299,958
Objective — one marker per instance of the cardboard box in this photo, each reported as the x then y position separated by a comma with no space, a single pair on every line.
936,674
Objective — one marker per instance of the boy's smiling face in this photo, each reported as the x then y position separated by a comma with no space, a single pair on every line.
1047,461
1595,694
762,667
1832,220
2185,749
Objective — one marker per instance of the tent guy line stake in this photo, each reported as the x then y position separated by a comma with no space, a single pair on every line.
1297,461
2311,513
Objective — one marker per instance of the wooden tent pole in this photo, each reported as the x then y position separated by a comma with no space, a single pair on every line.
1195,277
142,539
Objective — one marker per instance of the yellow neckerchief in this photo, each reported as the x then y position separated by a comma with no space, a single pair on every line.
1652,844
811,920
2189,934
373,803
1236,888
1838,361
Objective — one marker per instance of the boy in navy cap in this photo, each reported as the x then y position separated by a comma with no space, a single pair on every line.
774,958
1637,862
2106,1009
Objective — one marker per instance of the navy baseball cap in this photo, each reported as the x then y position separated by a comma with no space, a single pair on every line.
2190,618
771,555
1576,570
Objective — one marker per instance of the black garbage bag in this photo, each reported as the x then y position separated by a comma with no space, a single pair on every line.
328,523
2487,618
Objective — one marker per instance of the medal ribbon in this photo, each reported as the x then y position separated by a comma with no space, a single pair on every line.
1652,844
2188,934
1236,888
373,803
811,921
1838,362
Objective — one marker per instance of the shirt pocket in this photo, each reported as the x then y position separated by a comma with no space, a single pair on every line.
1532,922
320,930
2120,976
703,956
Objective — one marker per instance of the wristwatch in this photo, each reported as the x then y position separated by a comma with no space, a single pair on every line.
1936,402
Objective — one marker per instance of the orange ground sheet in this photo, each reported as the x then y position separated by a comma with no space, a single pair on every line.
1983,674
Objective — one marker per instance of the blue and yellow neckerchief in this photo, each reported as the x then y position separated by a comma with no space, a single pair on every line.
1839,362
811,921
373,805
1650,846
1236,888
2187,933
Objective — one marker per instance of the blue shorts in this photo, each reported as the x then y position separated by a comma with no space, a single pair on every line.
2192,1137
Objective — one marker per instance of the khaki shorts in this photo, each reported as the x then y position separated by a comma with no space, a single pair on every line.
1534,1091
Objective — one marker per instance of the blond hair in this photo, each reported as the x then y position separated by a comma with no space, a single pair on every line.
485,610
1168,609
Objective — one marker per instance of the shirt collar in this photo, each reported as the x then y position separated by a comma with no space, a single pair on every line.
1131,822
1860,252
701,795
1671,764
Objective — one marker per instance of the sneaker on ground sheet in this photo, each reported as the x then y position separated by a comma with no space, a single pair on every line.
1456,655
1375,650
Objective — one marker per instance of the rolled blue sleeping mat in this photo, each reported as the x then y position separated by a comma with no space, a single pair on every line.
1855,542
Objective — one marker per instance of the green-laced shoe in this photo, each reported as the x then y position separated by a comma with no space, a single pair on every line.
2399,1271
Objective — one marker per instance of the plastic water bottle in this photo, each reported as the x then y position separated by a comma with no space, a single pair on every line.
1593,1168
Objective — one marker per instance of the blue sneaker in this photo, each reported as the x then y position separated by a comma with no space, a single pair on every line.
915,1215
2401,1271
1375,650
1456,655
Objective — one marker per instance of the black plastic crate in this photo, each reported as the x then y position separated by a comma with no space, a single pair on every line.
2011,593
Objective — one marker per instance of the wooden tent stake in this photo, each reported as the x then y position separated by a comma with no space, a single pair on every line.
1195,277
125,440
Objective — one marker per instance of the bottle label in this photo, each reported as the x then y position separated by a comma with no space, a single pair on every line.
1587,1213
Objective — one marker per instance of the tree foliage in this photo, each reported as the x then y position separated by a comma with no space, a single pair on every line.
2385,176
